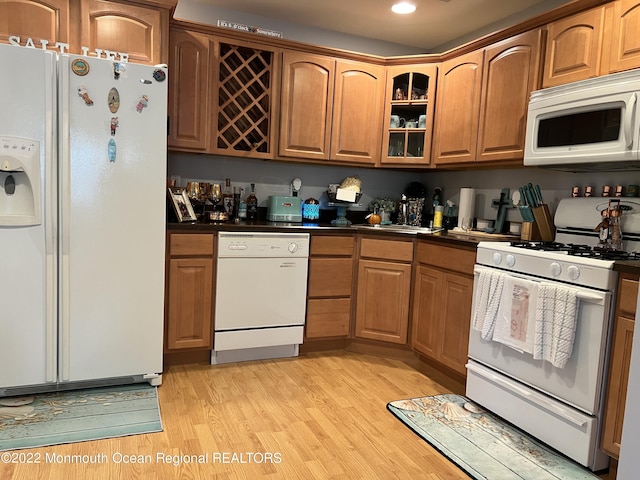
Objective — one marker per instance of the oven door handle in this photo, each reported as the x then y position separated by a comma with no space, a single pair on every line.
590,297
584,295
537,399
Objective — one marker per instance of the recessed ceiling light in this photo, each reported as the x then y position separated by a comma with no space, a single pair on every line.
403,8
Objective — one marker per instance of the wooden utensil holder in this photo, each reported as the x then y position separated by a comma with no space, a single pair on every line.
544,222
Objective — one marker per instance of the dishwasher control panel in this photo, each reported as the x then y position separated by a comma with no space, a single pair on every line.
261,245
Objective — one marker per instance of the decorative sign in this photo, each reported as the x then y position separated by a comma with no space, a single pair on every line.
250,29
63,48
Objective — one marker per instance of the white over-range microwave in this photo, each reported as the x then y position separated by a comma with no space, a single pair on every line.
589,125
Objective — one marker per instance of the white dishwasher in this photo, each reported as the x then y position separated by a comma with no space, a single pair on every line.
261,295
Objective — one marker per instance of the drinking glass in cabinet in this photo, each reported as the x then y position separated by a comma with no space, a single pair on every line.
415,147
396,145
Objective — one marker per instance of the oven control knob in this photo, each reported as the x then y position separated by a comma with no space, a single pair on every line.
497,258
574,272
511,260
293,247
555,269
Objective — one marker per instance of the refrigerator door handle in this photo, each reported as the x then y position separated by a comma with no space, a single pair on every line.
64,181
51,226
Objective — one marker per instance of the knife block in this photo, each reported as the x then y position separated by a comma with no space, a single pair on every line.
530,232
544,222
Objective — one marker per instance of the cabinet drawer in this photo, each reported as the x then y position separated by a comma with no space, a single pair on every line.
328,317
386,249
330,277
330,245
450,258
628,295
190,244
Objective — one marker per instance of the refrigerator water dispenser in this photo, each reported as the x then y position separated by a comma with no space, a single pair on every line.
19,182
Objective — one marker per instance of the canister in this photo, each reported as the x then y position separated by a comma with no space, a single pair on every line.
311,209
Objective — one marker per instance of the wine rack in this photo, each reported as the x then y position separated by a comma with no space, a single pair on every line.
245,94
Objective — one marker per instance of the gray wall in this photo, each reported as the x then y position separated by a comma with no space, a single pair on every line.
274,178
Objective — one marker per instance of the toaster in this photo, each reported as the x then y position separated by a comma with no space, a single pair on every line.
284,209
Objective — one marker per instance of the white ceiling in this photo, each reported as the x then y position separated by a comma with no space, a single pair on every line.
434,24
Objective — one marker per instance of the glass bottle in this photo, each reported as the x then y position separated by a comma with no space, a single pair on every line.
227,197
252,204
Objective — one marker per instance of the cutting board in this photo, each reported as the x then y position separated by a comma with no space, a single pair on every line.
489,237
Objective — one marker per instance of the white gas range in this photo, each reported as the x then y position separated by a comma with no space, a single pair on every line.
541,326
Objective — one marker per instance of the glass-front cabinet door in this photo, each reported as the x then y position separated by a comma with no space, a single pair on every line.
409,111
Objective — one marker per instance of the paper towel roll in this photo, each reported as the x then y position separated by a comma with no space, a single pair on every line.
467,207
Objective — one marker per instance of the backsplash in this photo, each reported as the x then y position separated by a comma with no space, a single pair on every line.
274,178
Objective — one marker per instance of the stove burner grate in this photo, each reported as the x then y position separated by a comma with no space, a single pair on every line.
577,250
544,246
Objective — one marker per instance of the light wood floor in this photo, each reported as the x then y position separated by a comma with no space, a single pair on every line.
319,416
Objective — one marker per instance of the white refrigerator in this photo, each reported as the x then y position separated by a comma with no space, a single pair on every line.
82,221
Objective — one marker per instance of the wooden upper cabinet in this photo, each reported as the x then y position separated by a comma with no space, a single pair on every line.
330,109
625,36
574,48
49,20
458,107
410,100
121,27
357,112
306,105
511,72
189,69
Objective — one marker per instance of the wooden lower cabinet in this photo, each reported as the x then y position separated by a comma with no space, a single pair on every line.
442,294
620,362
328,317
189,312
330,285
383,290
383,301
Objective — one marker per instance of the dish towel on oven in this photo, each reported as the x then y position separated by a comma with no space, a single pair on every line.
556,321
516,317
486,301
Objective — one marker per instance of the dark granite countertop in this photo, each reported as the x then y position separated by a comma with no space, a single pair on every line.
627,266
266,226
450,237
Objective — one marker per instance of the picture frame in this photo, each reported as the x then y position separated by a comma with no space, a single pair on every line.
181,204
